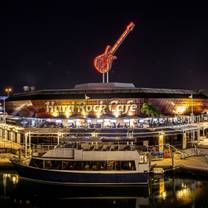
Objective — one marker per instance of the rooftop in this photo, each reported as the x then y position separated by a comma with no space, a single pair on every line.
108,90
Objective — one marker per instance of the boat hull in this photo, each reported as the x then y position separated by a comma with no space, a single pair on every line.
81,179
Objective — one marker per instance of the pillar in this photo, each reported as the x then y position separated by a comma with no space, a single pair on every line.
198,135
173,159
29,143
26,138
161,142
12,136
18,138
58,139
1,133
203,132
184,140
5,134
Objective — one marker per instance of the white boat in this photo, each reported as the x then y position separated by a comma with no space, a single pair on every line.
87,164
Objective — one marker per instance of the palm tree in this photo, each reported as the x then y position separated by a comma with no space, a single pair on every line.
150,110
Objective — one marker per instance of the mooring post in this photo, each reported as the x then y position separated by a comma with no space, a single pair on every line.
173,159
149,160
26,136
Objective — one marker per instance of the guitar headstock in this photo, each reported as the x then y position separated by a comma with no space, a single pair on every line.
130,26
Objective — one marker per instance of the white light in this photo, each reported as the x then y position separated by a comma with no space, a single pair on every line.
100,120
70,121
89,121
113,120
141,121
126,120
58,121
107,119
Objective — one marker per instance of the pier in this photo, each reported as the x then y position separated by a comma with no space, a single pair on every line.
195,162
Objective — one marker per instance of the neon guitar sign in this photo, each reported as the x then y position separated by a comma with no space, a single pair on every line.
104,61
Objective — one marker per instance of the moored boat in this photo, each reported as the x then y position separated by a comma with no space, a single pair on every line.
87,164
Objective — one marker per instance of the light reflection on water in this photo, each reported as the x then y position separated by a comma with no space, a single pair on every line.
161,192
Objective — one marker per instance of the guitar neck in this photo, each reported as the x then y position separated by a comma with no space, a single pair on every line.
120,40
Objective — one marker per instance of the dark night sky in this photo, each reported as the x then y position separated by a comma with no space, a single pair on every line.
53,45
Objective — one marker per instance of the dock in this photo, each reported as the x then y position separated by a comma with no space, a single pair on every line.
193,165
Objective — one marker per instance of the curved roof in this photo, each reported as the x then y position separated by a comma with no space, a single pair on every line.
127,91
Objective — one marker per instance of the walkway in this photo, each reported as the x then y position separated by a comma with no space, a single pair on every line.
194,162
9,145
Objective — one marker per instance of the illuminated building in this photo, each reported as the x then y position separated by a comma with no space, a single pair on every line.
109,99
111,106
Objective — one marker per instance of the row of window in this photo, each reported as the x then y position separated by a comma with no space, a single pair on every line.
83,165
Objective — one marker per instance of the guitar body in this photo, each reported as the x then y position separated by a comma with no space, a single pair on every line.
104,61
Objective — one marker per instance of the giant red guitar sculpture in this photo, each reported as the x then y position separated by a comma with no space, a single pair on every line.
104,61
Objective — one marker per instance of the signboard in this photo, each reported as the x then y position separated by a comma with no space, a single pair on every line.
115,107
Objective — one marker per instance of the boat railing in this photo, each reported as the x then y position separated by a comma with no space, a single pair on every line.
107,147
39,149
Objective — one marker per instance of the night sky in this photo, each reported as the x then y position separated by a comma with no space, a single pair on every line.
52,45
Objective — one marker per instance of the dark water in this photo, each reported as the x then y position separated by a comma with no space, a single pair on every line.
162,192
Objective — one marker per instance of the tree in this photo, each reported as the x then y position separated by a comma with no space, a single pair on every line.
150,110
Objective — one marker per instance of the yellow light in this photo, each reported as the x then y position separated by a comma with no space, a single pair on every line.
162,191
8,90
180,109
161,142
55,114
67,114
130,113
116,114
98,114
84,114
184,195
94,134
15,179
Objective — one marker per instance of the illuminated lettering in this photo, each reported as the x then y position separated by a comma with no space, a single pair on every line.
89,108
113,107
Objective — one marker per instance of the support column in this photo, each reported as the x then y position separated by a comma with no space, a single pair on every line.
18,138
58,139
29,143
6,134
161,142
203,133
26,137
198,135
184,140
1,133
192,134
173,159
12,136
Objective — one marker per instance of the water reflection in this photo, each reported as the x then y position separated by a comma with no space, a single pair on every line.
178,192
161,192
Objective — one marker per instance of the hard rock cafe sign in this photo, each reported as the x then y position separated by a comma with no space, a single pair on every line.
84,107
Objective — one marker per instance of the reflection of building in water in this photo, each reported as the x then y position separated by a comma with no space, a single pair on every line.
14,178
8,179
174,191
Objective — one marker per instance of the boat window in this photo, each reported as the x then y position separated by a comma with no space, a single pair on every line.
84,165
36,163
98,165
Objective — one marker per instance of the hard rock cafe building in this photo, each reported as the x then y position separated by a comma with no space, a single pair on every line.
109,111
